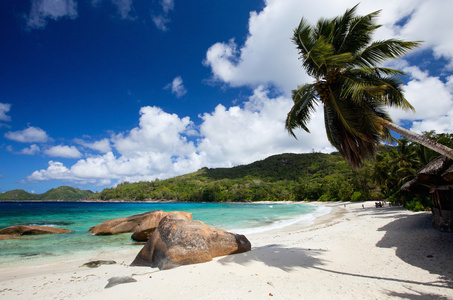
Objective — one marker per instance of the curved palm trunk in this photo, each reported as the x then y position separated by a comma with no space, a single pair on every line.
439,148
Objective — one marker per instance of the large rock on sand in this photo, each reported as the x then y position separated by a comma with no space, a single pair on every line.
179,240
31,230
142,224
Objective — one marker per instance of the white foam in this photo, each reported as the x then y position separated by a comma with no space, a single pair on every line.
304,219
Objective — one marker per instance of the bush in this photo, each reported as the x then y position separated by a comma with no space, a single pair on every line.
414,205
324,198
357,196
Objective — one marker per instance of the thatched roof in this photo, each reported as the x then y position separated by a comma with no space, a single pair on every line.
414,186
432,172
448,175
438,173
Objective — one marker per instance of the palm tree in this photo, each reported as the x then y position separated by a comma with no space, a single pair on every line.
340,55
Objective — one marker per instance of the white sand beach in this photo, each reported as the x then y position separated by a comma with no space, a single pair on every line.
351,253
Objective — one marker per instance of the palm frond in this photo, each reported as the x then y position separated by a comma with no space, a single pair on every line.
354,89
318,54
302,37
380,51
353,148
304,105
359,33
394,95
341,25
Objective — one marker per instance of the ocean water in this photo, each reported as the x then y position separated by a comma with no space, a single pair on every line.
80,216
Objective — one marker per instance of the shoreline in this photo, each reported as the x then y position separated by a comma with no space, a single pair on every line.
350,253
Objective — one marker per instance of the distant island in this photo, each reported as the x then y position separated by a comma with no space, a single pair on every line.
64,193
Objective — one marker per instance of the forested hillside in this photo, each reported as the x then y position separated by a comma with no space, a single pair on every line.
291,177
284,177
65,193
296,177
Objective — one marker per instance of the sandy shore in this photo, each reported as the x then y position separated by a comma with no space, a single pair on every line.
351,253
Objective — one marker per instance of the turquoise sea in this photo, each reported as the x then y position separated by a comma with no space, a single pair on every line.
80,216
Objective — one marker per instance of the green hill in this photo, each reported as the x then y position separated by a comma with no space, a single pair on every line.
17,195
65,193
312,176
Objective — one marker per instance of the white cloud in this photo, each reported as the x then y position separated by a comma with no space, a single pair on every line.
4,108
102,146
431,23
269,41
268,55
55,170
161,20
242,135
270,31
145,152
42,10
432,99
162,145
177,87
167,5
63,151
159,147
32,150
429,96
124,8
28,135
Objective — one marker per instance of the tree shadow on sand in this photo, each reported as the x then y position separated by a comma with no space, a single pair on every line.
419,296
381,212
277,256
289,259
420,245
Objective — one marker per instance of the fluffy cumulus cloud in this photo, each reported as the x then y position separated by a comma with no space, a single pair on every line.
4,109
270,31
177,87
165,145
63,151
55,170
28,135
160,146
44,10
240,135
102,146
432,99
429,21
32,150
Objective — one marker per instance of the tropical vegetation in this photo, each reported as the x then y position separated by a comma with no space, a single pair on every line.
398,165
290,177
284,177
349,84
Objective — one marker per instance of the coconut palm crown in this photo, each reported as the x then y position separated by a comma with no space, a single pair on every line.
348,82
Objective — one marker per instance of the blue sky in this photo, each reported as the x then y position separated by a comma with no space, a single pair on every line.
97,92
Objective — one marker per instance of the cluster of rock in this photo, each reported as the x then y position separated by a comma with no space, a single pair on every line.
16,231
179,240
141,225
174,238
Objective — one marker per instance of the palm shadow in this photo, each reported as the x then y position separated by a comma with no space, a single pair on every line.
381,212
419,296
277,256
417,243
